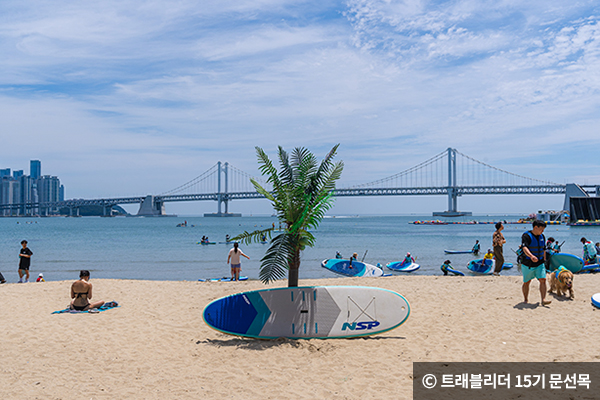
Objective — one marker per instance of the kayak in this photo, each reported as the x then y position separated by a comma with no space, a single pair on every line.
403,266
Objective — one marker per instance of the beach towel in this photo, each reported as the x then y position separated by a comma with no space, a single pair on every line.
107,306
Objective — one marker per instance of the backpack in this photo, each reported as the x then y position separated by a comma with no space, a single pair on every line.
520,255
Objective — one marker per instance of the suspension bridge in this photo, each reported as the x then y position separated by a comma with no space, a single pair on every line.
450,173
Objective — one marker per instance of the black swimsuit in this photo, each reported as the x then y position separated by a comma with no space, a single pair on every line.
81,308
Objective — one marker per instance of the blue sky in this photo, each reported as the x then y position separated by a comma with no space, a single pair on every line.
128,98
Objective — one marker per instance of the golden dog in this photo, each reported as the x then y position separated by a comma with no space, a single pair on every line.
561,281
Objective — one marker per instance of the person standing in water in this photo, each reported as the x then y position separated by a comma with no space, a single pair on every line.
236,264
476,247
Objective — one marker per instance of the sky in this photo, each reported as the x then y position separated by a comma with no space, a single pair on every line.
133,98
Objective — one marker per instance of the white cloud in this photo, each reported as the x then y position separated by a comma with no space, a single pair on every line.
163,90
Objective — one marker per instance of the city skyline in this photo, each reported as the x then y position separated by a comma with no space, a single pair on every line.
128,99
19,188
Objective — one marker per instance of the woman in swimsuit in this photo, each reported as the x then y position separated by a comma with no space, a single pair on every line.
81,293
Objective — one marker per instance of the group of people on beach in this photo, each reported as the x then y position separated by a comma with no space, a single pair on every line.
81,290
534,255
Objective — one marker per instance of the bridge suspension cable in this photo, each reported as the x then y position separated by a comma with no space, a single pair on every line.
468,172
199,184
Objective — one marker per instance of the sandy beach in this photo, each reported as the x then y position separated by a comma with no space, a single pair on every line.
156,345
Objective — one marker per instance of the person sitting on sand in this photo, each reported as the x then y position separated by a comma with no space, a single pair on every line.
81,293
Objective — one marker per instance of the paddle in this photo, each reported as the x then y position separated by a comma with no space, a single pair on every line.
363,259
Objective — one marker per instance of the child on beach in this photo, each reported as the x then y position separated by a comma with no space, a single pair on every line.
40,278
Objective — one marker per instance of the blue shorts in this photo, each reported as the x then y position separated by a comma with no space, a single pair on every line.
538,272
236,266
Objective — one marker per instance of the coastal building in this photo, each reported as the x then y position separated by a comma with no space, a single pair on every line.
35,169
24,192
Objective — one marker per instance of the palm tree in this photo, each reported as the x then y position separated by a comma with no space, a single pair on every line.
302,193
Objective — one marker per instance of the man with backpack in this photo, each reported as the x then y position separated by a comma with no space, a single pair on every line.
533,244
589,251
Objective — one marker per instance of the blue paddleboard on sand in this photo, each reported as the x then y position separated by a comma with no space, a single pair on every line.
590,268
479,268
308,312
569,261
403,266
596,300
224,279
343,267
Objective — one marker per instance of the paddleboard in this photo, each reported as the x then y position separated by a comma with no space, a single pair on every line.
318,312
402,266
488,268
590,268
480,267
224,279
453,271
596,300
458,251
343,267
206,242
569,261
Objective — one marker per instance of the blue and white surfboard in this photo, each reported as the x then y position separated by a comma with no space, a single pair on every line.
308,312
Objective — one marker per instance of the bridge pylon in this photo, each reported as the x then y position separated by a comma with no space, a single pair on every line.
452,190
222,196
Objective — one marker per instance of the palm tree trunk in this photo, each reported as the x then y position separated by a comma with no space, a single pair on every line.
294,269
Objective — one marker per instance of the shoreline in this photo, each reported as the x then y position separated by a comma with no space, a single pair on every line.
156,344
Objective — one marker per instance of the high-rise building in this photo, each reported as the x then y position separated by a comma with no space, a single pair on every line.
35,169
26,194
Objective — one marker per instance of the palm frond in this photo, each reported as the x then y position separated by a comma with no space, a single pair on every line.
249,237
276,261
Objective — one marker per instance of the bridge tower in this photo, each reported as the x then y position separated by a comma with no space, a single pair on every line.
452,190
222,196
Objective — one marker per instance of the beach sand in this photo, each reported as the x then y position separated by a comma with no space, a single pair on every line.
156,345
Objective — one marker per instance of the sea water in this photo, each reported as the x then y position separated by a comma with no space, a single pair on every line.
157,249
